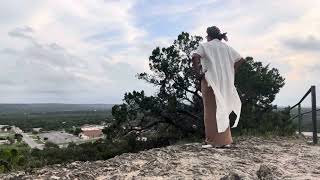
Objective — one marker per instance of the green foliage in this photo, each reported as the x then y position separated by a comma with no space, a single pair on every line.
257,86
54,120
173,114
176,108
11,139
18,137
278,122
99,150
74,131
77,131
11,159
49,145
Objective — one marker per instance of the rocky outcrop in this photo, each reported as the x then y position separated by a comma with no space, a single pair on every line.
252,158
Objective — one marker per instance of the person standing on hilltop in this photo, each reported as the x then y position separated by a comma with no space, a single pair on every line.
215,63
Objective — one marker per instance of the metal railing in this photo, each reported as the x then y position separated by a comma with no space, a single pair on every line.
314,110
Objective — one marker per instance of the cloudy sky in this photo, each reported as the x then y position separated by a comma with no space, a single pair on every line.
88,51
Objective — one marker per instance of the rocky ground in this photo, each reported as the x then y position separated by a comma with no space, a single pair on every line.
252,158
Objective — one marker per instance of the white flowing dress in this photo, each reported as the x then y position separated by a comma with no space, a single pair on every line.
217,59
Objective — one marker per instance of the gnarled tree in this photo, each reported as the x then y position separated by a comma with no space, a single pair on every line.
176,107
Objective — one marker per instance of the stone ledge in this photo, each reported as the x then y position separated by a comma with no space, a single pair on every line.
253,158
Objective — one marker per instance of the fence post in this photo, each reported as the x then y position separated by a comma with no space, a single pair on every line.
314,114
300,117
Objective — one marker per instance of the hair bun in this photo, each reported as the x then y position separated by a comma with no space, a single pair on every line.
214,32
224,36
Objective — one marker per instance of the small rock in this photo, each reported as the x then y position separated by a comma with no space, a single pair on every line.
267,173
231,176
54,177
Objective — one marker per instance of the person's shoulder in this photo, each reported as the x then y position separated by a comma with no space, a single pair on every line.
214,44
224,45
205,44
221,43
202,43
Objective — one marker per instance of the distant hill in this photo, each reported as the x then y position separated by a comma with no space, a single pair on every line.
51,107
306,118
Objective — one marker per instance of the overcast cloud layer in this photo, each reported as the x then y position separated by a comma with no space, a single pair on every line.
69,51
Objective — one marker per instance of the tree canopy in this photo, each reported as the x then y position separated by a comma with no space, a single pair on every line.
176,107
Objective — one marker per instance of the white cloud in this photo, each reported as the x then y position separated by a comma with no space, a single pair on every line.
89,51
284,33
45,53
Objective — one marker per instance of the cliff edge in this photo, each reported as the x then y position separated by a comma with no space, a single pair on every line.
252,158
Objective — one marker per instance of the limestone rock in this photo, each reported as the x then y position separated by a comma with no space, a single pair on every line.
266,172
232,176
252,158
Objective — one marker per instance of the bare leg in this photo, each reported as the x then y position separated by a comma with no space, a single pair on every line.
210,122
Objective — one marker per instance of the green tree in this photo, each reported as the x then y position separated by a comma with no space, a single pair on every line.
18,137
77,131
176,108
11,139
257,86
11,159
49,145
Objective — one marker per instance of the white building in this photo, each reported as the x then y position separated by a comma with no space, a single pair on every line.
5,128
4,142
92,131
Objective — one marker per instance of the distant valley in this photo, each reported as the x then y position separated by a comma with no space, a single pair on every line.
51,107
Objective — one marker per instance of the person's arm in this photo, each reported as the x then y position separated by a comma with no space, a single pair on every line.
236,58
197,68
238,63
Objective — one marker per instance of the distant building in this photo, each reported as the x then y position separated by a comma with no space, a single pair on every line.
58,137
89,132
5,128
91,127
4,142
36,129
